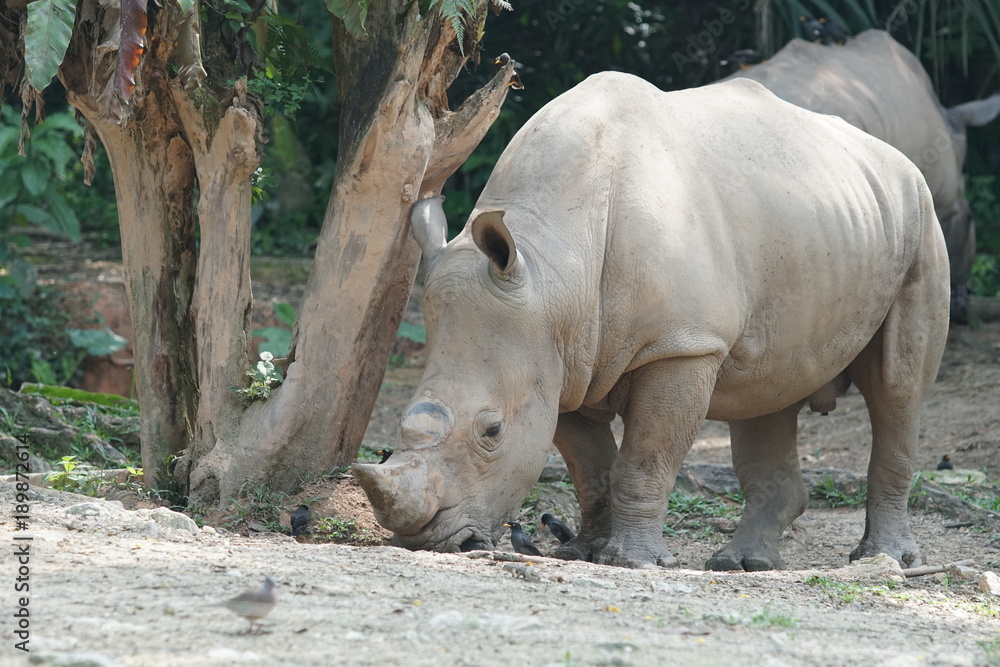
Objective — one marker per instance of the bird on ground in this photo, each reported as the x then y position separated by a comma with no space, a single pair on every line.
254,605
833,31
515,78
945,463
300,519
385,454
557,528
812,28
743,58
522,543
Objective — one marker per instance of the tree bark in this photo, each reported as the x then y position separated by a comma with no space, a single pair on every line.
153,172
392,128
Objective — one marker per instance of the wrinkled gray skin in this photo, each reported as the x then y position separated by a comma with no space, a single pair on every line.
666,257
876,84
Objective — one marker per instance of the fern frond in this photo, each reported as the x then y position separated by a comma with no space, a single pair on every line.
499,5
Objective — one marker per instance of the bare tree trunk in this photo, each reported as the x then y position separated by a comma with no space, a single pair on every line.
154,184
395,125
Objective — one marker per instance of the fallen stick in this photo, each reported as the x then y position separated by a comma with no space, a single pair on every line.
934,569
959,524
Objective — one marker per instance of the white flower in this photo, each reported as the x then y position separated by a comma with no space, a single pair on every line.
266,356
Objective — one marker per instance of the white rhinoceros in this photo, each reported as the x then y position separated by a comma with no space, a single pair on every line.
667,257
876,84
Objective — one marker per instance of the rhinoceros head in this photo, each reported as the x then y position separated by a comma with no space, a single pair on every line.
474,438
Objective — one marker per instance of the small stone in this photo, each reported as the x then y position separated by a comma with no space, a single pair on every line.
209,530
963,573
989,583
173,520
86,509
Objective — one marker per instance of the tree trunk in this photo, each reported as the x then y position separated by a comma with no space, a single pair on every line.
395,123
154,183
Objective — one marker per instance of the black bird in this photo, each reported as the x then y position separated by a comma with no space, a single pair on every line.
385,454
833,31
300,519
515,78
743,58
812,27
557,528
522,543
945,463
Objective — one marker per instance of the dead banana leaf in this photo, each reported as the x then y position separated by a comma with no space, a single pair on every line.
131,46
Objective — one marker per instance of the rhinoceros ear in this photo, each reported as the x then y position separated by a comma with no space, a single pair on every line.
494,239
977,113
429,227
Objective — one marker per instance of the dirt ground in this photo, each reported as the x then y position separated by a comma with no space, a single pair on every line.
110,586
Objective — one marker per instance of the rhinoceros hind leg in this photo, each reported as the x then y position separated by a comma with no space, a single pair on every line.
766,461
586,443
894,373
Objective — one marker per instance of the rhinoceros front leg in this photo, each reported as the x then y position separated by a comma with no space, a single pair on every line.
585,441
663,405
766,461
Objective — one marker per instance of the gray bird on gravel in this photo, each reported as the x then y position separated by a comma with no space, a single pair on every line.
522,543
557,528
300,520
254,605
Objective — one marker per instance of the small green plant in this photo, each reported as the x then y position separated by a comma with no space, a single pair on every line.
263,378
767,618
829,491
75,476
991,650
344,531
849,591
259,506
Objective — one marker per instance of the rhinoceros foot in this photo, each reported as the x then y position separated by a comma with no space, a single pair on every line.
636,556
903,548
727,559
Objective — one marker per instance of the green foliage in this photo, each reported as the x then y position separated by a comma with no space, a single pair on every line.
49,29
849,591
353,13
457,13
33,188
75,476
344,531
278,340
982,193
697,514
414,332
260,507
120,405
263,378
828,491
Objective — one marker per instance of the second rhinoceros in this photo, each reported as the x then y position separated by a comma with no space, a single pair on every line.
667,257
875,83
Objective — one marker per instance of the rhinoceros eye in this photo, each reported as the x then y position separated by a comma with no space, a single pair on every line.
493,430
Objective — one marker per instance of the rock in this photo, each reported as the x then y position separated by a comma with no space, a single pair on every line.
963,573
173,520
104,450
209,530
595,583
87,509
876,568
989,583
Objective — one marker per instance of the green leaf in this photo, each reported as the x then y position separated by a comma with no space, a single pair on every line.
64,216
35,177
413,332
9,187
97,342
50,27
285,312
185,5
277,341
353,13
36,216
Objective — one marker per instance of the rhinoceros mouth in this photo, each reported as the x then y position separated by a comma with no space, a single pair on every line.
447,531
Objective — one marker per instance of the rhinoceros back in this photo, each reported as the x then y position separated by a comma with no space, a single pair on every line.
719,220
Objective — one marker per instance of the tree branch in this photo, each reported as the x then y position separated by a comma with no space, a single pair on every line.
459,132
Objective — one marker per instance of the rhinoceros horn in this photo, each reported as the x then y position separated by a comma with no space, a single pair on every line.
402,492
